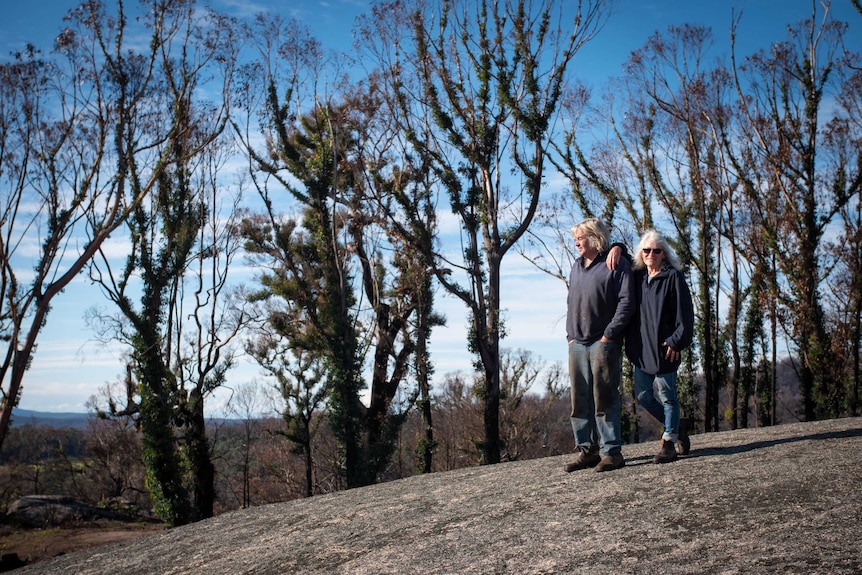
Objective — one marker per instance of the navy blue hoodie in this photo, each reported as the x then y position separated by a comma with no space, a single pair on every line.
665,314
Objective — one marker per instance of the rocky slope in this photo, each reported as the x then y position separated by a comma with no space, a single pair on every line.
786,499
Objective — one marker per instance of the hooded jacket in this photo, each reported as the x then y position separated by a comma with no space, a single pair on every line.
665,314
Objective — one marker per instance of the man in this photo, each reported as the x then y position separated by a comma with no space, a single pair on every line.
600,305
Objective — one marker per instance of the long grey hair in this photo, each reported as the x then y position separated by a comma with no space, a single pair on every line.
654,237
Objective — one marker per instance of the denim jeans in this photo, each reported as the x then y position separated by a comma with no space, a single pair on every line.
657,395
595,372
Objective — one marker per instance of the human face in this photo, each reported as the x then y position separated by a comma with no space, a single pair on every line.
585,246
653,256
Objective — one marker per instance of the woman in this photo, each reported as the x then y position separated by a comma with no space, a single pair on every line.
662,327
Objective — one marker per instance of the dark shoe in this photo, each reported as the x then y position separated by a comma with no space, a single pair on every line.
610,462
585,458
666,453
684,444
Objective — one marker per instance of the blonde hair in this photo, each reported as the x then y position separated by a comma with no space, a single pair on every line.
596,233
652,236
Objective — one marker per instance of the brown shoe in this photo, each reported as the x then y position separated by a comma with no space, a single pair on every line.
585,458
666,453
611,462
684,444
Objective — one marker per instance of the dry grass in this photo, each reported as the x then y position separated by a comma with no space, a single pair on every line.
33,545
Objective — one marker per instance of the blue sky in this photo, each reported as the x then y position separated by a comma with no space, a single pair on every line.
70,366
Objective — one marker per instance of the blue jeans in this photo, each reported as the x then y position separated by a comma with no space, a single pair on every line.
595,372
657,395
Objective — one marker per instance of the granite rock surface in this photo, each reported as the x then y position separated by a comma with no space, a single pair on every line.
784,499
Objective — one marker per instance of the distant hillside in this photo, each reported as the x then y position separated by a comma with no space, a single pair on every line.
24,416
73,420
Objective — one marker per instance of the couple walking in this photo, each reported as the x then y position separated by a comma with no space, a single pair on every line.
645,305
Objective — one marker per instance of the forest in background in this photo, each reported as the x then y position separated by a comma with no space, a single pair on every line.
100,463
751,167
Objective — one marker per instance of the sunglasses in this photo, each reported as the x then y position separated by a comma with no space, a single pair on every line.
656,251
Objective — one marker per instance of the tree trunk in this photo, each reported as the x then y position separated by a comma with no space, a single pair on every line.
198,449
